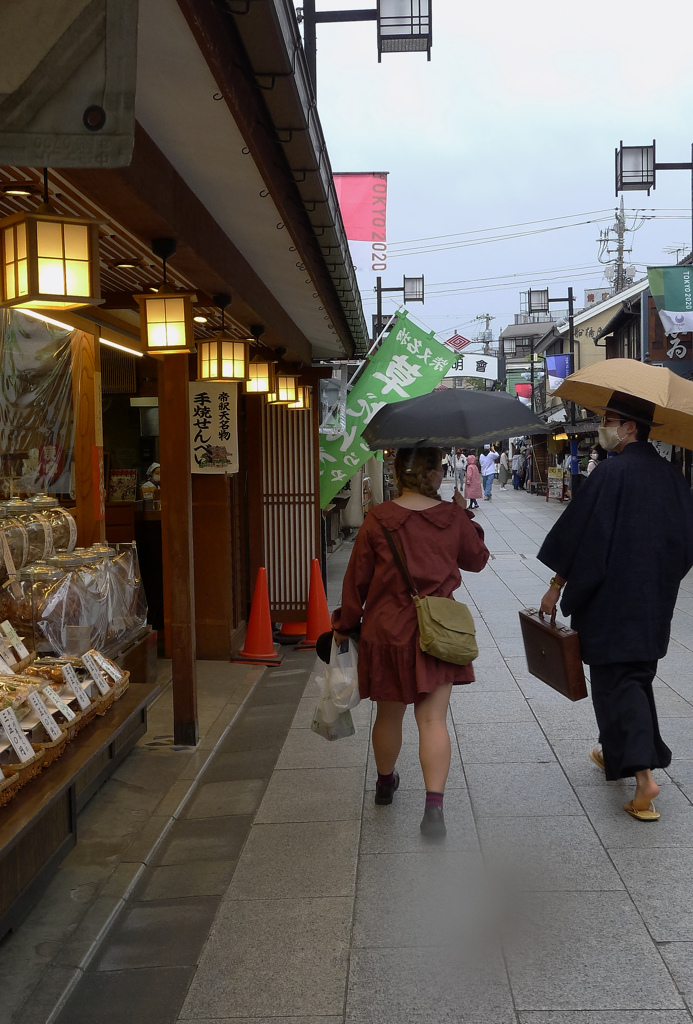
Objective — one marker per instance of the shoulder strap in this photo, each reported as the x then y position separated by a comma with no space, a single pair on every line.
399,557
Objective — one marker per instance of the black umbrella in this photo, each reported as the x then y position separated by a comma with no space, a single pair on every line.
454,416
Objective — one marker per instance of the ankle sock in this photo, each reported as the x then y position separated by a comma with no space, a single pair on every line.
386,780
434,799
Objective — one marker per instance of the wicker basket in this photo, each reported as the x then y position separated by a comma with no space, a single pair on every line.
8,788
53,750
27,770
122,685
18,669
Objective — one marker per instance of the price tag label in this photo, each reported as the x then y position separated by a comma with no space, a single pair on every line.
96,674
46,718
22,748
70,677
5,669
60,704
14,638
6,653
113,671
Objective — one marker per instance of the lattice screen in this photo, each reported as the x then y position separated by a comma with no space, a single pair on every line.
290,505
118,374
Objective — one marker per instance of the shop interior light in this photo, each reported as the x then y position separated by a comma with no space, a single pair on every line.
123,348
200,319
223,357
166,315
46,319
126,264
302,402
286,388
49,261
21,188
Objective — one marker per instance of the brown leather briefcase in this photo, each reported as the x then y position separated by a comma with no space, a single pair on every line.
553,653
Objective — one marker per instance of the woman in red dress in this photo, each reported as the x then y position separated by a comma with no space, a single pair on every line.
438,538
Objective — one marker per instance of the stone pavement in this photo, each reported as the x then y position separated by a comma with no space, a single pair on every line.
283,895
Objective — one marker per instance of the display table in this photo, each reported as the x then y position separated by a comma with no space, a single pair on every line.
38,827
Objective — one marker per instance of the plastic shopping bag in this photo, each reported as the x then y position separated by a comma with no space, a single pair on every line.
338,688
342,675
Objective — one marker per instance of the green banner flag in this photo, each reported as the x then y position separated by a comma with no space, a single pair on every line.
408,363
672,290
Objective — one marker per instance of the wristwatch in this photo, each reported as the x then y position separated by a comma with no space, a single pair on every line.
555,584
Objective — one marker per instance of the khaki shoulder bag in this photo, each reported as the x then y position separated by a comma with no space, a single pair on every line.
446,627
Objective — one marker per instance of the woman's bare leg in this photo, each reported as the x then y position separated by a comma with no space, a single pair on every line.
434,739
387,735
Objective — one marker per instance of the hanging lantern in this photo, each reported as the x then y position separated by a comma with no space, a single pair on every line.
286,388
302,402
49,261
223,358
260,380
166,320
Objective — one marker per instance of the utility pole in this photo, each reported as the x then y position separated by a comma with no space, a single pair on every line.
620,232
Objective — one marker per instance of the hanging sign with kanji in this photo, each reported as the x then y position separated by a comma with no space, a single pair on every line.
213,427
409,362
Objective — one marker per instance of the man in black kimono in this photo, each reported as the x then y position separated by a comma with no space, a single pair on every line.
621,549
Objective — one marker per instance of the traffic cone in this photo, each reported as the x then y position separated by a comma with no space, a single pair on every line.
258,648
290,633
319,621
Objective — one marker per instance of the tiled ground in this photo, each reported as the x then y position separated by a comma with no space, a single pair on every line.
283,895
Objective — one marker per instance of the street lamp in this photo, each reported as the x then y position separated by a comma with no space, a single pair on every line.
404,26
412,290
636,170
538,301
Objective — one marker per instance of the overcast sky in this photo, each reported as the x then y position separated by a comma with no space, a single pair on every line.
515,119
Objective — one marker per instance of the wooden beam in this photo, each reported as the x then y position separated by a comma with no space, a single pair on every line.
88,445
177,535
152,200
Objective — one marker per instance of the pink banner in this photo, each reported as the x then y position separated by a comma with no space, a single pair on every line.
363,202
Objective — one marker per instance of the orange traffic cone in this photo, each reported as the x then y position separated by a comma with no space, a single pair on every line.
318,615
258,648
293,629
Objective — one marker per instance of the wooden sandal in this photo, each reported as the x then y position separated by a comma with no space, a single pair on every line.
649,815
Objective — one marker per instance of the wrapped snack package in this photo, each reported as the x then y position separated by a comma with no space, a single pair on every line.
74,616
38,528
127,566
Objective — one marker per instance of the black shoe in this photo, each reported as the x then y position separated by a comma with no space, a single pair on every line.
433,823
384,794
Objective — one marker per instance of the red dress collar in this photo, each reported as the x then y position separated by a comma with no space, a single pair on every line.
392,515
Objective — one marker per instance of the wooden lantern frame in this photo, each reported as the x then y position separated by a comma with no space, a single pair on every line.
165,292
303,400
210,351
19,239
250,385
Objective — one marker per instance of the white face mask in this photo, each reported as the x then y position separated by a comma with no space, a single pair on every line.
609,438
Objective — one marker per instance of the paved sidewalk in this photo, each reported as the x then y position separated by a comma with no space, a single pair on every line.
340,911
283,895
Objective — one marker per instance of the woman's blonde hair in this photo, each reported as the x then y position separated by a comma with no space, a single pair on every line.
412,466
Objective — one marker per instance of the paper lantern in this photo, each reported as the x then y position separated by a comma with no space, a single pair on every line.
166,321
302,399
223,358
260,378
49,261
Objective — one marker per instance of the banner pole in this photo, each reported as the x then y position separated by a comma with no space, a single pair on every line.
373,348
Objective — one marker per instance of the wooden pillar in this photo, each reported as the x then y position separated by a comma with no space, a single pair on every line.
177,535
88,451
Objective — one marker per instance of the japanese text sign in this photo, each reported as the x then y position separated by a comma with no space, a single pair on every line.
409,363
213,427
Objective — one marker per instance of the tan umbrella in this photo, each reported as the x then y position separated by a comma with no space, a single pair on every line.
671,395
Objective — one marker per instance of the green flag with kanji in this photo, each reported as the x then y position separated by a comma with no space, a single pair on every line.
408,363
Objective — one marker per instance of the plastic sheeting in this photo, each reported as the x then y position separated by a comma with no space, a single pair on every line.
36,421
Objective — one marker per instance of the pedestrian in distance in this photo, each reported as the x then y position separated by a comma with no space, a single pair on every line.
488,469
621,564
445,464
438,539
472,487
593,462
504,473
518,466
460,465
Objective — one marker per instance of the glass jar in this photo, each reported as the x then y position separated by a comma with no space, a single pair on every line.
29,603
127,566
62,523
36,525
120,596
17,541
77,613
